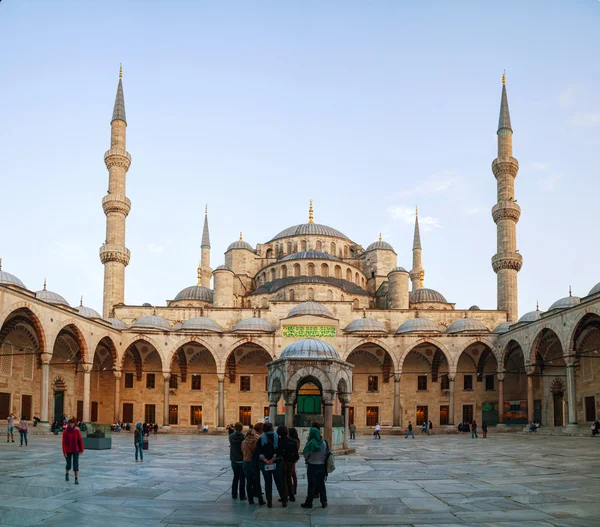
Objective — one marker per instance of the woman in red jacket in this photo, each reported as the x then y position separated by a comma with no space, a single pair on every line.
72,445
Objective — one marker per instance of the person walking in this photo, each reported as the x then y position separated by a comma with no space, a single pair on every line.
72,447
269,453
290,458
352,429
474,430
10,430
237,462
315,453
484,429
138,442
377,430
430,429
23,429
409,431
155,428
251,475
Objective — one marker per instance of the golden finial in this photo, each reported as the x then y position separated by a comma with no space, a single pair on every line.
380,238
241,239
310,213
44,284
120,71
504,77
199,273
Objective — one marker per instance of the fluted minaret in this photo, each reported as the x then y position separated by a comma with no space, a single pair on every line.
417,275
507,261
113,253
205,272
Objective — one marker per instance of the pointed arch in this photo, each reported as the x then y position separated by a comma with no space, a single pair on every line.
71,329
373,343
193,340
425,341
105,354
33,317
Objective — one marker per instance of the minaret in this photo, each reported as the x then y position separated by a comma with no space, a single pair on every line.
507,261
205,272
417,275
113,253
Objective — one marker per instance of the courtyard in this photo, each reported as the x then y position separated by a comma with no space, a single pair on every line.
504,480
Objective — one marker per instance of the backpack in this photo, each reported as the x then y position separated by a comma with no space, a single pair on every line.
290,451
329,461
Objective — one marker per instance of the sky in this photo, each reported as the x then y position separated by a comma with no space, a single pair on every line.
368,108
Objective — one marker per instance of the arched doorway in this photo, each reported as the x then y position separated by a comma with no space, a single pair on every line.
549,376
515,385
103,383
585,342
308,399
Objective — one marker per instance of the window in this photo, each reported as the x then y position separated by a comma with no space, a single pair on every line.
296,269
444,413
28,366
283,271
6,360
292,296
468,413
79,410
245,415
489,383
349,275
196,382
173,414
373,385
173,382
129,380
468,383
94,416
445,382
150,381
26,404
311,269
4,404
422,383
127,412
590,408
195,415
422,416
350,415
324,270
150,413
372,415
244,383
267,412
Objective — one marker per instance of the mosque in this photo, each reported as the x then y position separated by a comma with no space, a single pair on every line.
309,293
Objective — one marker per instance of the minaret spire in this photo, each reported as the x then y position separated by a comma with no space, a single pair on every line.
507,261
310,213
204,270
417,275
113,253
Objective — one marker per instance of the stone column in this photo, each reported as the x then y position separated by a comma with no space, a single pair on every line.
345,400
117,416
273,400
451,401
530,397
289,396
397,420
167,376
87,375
572,417
221,404
500,400
328,417
45,387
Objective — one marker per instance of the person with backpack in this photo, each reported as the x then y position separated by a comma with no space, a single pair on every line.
409,432
290,457
237,460
377,433
269,453
430,430
315,453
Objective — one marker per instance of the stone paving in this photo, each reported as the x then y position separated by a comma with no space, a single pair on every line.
504,480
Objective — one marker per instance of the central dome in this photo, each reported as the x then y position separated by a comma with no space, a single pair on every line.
309,255
195,292
309,349
310,308
304,229
426,295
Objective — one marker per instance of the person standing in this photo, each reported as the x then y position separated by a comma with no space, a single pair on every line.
23,429
352,429
377,431
269,453
409,432
430,429
484,429
138,442
294,436
248,448
237,461
155,429
10,431
290,458
72,446
474,430
315,453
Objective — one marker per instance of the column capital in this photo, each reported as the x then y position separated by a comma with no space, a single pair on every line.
118,374
87,367
500,376
289,396
274,398
166,375
327,398
45,358
397,376
345,398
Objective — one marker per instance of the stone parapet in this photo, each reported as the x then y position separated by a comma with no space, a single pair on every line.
114,253
512,261
505,165
114,203
117,157
506,210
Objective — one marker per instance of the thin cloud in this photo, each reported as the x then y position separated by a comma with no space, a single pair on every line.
406,214
472,211
540,166
585,119
432,185
155,248
549,184
569,96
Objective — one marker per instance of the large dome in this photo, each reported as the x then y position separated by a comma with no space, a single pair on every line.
51,297
202,324
503,328
310,308
309,349
195,292
369,325
313,255
419,325
152,322
595,289
532,316
88,312
566,302
254,324
425,295
304,229
465,325
9,279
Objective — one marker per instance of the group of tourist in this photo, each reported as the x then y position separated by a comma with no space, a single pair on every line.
118,426
22,427
275,454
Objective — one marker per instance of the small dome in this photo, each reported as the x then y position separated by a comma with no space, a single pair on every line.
51,297
146,304
532,316
465,325
474,308
202,324
503,328
223,268
564,303
309,349
303,229
88,312
254,324
365,324
381,245
116,323
398,270
240,244
419,325
310,308
195,292
9,279
595,289
152,322
313,255
424,295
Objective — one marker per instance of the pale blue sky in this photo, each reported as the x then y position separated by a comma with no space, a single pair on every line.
367,108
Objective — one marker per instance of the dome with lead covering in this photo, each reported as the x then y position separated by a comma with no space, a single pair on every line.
474,308
312,255
566,302
51,297
305,229
465,325
223,268
9,279
398,270
116,323
425,295
503,328
240,244
532,316
381,245
595,289
254,324
152,322
195,292
88,312
202,324
366,324
309,349
310,308
419,325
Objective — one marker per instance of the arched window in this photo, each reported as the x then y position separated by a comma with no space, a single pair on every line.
295,247
304,246
269,253
311,269
333,248
324,270
363,281
356,279
289,247
296,269
283,271
329,294
338,271
349,275
292,297
345,251
273,274
355,303
318,246
311,294
6,361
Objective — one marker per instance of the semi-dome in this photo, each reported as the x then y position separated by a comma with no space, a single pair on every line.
419,325
566,302
425,295
51,297
202,324
152,322
532,316
380,244
503,328
305,229
312,255
254,324
465,325
88,312
309,349
595,289
195,292
9,279
116,323
365,324
474,308
310,308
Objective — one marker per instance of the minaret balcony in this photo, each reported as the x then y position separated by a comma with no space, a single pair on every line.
505,165
115,203
506,210
114,253
513,261
117,157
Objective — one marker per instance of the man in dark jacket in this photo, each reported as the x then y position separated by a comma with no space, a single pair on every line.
237,462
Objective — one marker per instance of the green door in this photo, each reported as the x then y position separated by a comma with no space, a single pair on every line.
59,406
489,413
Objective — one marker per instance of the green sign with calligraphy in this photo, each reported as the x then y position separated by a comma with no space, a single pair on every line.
309,331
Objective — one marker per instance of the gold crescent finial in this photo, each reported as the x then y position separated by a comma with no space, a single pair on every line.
310,213
241,239
120,71
504,77
380,238
199,273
